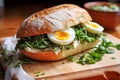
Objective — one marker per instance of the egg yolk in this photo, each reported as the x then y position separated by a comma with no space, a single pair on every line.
93,25
61,35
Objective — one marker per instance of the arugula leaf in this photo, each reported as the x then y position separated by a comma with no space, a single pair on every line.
96,56
83,35
71,58
3,52
42,41
97,53
22,61
86,59
117,46
89,58
7,58
17,64
104,47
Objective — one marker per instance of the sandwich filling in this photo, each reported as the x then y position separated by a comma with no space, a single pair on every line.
63,39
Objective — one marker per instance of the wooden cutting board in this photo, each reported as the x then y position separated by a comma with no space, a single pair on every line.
65,69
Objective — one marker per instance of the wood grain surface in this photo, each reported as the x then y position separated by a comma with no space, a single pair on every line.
68,69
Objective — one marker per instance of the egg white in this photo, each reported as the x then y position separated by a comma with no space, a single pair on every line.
93,27
71,33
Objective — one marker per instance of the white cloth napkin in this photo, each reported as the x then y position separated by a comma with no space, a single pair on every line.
9,44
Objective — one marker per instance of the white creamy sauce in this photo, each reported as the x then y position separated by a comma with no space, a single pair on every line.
57,50
32,50
75,43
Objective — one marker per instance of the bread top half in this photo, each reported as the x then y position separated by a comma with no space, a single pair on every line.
53,19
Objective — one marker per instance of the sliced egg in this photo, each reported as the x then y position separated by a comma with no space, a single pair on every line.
93,27
62,37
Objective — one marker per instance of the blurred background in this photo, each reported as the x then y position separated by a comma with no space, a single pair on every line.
9,7
12,10
49,2
32,6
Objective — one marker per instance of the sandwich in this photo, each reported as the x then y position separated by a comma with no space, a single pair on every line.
57,32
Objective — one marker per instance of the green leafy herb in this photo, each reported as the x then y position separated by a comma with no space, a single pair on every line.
117,46
39,74
63,62
7,58
89,58
42,74
24,61
39,42
97,53
18,64
104,34
71,58
3,52
113,57
110,7
42,42
83,35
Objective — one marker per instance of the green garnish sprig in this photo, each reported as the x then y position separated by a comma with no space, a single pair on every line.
11,58
71,58
117,46
37,74
7,58
97,53
21,61
83,35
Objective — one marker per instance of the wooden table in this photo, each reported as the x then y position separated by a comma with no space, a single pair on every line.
14,15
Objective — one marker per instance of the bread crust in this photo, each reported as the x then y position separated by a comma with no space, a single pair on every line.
53,19
51,56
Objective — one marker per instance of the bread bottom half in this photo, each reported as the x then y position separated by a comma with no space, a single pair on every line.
51,56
